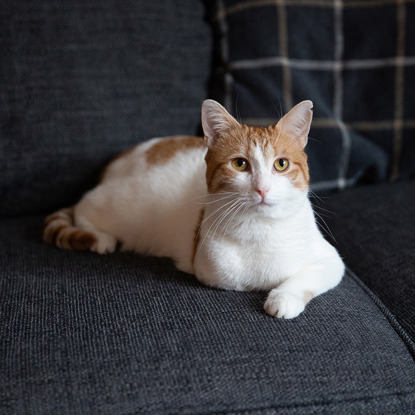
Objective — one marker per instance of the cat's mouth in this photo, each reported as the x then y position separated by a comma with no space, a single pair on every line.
263,204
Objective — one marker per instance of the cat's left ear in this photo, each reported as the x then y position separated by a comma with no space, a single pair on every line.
297,122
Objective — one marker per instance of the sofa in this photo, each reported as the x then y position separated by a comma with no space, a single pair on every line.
125,334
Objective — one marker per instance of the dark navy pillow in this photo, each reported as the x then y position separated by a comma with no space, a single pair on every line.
355,60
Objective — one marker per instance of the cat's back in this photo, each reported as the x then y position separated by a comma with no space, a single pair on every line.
149,197
174,152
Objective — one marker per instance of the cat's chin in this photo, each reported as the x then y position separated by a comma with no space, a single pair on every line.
265,204
264,207
270,210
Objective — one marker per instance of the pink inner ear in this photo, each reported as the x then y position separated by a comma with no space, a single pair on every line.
215,121
297,121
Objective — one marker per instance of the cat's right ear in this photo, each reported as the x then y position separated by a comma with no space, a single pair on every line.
296,123
215,121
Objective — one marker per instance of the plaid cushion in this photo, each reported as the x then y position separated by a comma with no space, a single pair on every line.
354,59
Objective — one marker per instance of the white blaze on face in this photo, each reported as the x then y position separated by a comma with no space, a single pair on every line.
261,173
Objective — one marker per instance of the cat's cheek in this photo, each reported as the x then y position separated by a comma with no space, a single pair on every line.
242,184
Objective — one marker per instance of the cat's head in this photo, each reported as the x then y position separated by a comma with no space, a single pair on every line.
266,167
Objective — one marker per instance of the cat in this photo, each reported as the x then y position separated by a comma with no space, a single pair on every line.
231,208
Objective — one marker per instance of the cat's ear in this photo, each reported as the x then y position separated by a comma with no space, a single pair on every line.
216,121
297,122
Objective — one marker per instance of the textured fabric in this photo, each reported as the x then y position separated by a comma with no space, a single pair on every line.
82,80
125,334
354,59
374,227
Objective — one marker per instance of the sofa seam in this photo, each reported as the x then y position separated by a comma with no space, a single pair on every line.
393,321
306,405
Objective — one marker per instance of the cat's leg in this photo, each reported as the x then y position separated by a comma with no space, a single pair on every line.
92,214
104,244
289,299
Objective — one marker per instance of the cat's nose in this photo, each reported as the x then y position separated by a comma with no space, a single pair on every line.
262,192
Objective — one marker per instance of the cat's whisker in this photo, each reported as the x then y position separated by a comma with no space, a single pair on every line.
212,195
217,223
212,224
294,204
278,111
245,206
224,214
314,195
224,206
229,218
323,209
223,217
221,193
216,200
207,218
319,218
228,223
220,216
326,227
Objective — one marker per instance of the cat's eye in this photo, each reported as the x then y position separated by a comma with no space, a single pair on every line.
281,164
240,164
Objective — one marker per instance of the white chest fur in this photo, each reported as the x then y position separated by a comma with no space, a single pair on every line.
256,252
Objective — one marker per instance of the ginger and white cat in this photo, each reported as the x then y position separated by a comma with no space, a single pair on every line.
231,209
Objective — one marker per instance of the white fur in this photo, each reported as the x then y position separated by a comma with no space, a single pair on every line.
151,209
243,245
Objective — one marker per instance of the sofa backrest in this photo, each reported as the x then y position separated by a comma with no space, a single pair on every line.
83,80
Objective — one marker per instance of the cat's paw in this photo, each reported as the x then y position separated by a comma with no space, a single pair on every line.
105,244
283,304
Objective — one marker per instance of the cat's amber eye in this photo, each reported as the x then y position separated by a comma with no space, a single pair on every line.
240,164
281,164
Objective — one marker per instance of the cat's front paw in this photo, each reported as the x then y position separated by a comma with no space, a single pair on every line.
283,304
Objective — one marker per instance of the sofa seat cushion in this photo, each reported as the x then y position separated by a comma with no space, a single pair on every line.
125,334
375,231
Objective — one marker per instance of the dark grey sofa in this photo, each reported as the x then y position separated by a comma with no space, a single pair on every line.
127,334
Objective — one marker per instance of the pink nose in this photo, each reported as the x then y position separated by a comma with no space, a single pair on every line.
262,193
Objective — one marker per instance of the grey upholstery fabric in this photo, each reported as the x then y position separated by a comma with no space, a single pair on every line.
82,80
374,228
126,334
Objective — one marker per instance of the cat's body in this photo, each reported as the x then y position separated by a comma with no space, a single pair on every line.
240,220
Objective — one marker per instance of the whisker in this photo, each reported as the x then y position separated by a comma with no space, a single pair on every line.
314,195
279,112
216,200
325,226
228,223
216,211
224,214
323,209
221,215
211,195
